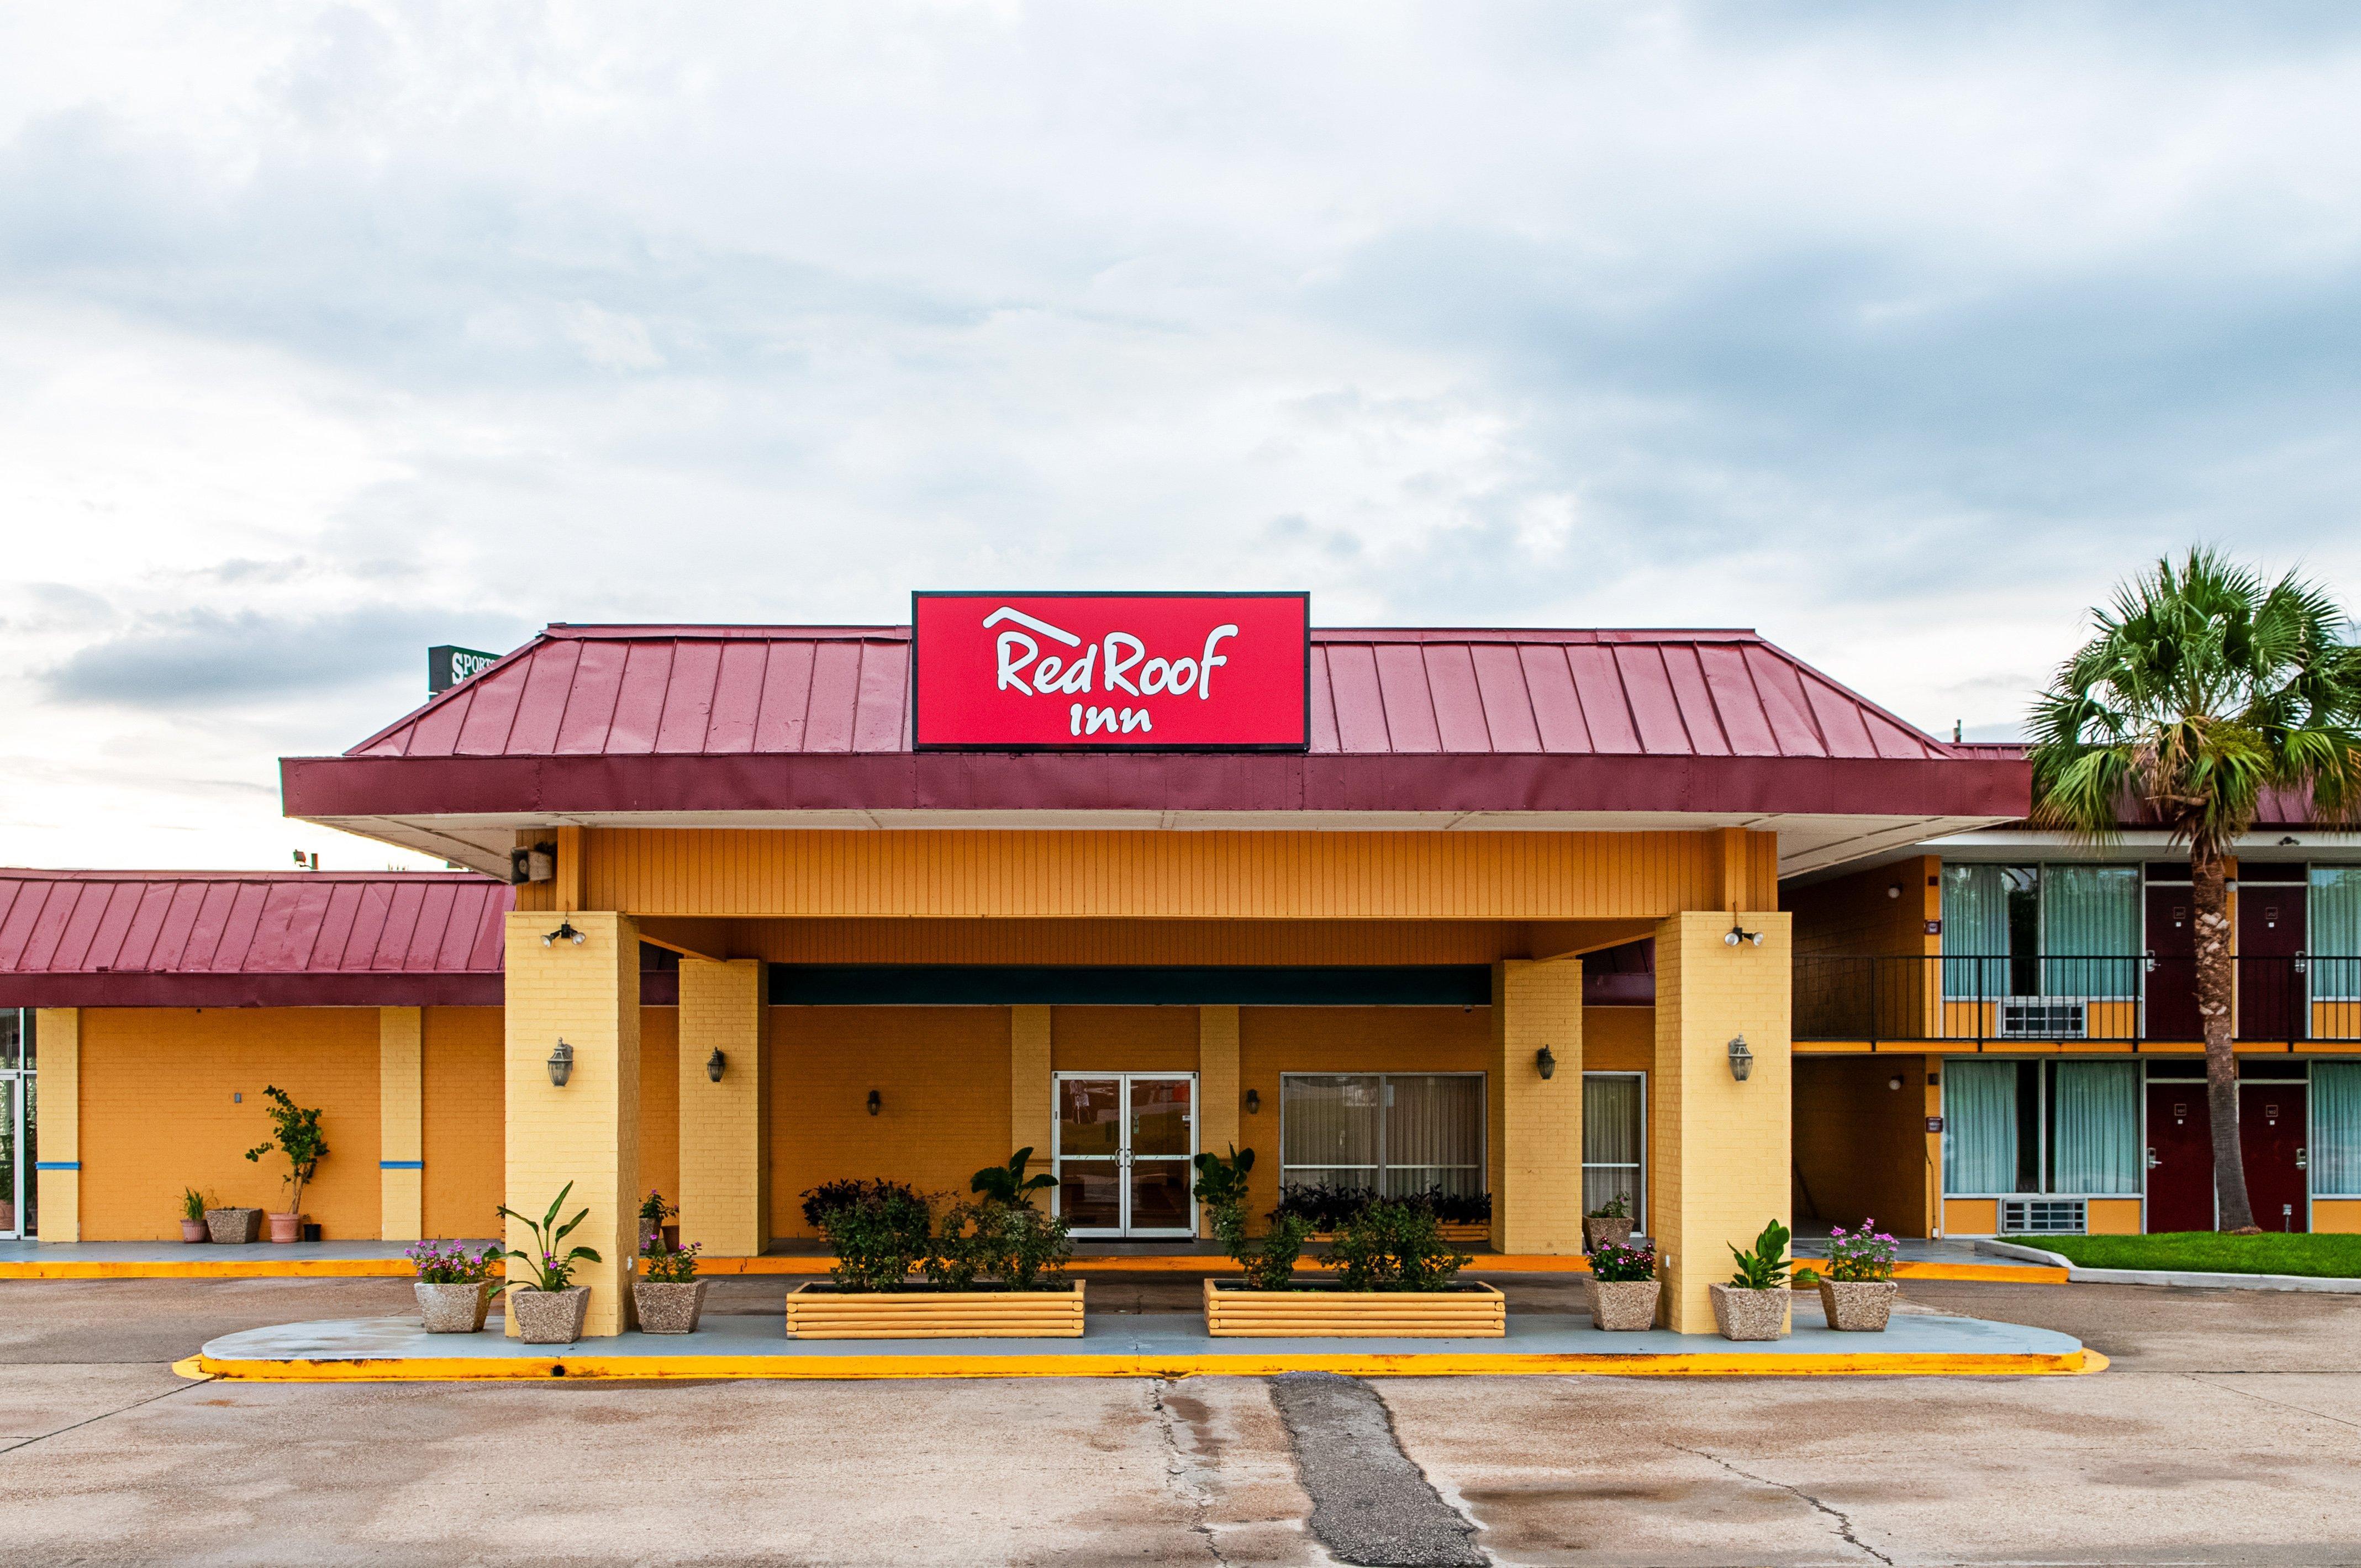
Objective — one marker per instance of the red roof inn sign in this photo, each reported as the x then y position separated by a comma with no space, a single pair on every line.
1111,672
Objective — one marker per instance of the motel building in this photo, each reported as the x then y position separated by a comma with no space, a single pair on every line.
1553,916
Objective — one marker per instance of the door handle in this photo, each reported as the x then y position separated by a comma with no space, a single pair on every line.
2303,1159
2152,1161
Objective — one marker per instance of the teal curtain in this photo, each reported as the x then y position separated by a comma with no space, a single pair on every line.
2094,1128
2336,933
2337,1129
1975,923
1979,1126
2091,931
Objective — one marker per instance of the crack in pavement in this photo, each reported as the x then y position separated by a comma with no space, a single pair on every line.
1370,1502
1844,1521
103,1415
2204,1380
1179,1472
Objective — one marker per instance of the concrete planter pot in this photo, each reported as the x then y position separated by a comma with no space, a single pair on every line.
454,1309
669,1309
1597,1234
1749,1314
1859,1306
1624,1306
195,1230
550,1317
286,1230
233,1227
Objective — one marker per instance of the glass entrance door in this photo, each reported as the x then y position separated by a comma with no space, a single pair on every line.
1124,1144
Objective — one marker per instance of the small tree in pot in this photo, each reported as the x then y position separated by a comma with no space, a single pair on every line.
1858,1288
295,1133
455,1286
1753,1305
1623,1287
551,1310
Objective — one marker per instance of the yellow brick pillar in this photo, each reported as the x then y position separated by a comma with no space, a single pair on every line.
1218,1088
1719,1150
57,1171
586,1133
724,1180
1032,1111
401,1101
1533,1126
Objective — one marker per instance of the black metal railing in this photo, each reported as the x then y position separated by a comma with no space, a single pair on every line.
2128,998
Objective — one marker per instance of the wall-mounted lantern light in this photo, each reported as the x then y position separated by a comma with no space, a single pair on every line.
1739,933
561,1064
715,1063
1545,1063
876,1102
1741,1060
565,933
1254,1102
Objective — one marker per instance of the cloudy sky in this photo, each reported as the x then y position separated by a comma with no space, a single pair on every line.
1895,332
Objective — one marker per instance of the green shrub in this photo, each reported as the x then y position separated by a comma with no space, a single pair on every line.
1008,1183
879,1230
1016,1245
194,1205
1038,1249
1396,1246
1766,1267
1333,1208
670,1264
1222,1181
550,1271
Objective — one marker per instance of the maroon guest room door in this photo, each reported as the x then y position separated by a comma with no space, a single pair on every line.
2179,1157
2173,964
2273,1003
2271,1122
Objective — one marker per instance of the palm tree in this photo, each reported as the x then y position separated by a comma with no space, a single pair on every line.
2199,689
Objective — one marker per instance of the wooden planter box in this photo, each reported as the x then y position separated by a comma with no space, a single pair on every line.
1470,1311
819,1310
1458,1233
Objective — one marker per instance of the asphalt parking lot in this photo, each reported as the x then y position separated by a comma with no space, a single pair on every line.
2227,1431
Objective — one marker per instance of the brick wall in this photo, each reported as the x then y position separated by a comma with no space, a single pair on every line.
463,1122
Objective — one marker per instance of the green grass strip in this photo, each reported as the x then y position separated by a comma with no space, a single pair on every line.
2205,1252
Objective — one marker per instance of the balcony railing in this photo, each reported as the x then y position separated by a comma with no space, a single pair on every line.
2128,999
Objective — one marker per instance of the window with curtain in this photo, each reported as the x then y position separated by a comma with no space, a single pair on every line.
2335,934
2090,936
2337,1129
1991,919
1392,1132
2094,1128
1980,1126
1612,1142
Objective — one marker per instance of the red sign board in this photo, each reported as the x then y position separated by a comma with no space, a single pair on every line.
1111,672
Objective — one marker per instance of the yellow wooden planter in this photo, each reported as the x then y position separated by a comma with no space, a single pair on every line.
1458,1233
818,1310
1470,1311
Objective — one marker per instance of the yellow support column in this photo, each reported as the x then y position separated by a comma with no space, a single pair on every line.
724,1180
401,1101
586,1133
56,1056
1718,1149
1032,1113
1534,1125
1218,1088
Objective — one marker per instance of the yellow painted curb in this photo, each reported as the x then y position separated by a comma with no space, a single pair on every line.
828,1369
192,1368
232,1268
1988,1273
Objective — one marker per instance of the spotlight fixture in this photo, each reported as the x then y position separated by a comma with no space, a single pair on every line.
561,1063
1741,1060
876,1102
1894,1084
1545,1063
1741,934
715,1063
1254,1102
565,933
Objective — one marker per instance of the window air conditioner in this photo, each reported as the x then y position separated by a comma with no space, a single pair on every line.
2043,1018
2044,1216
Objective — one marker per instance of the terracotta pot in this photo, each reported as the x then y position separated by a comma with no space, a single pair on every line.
1749,1314
233,1227
669,1309
672,1238
1624,1306
195,1230
454,1309
1598,1232
550,1317
286,1229
1858,1306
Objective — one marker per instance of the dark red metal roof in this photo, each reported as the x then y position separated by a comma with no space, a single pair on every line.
250,938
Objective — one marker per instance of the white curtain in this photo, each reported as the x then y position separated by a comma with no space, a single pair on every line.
2091,931
1611,1140
2336,933
1328,1131
2094,1137
1435,1133
1979,1126
2337,1129
1975,923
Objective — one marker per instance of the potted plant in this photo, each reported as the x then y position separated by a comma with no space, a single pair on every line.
550,1310
233,1227
454,1284
1623,1287
657,1229
1858,1287
668,1294
1753,1305
193,1216
995,1268
1610,1222
295,1133
1008,1184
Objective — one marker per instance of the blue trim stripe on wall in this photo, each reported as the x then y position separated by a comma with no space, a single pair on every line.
401,1164
57,1165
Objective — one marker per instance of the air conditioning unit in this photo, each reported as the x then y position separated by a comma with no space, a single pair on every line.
2043,1018
2045,1216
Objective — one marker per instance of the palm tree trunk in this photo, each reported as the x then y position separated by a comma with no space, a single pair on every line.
2215,971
